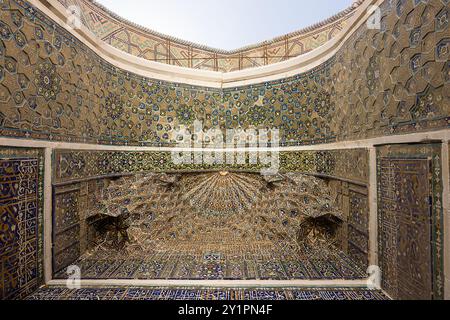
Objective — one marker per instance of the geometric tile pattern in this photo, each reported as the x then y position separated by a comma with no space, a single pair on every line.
410,221
153,46
80,175
386,88
71,229
66,228
21,185
358,226
351,164
352,199
135,293
381,82
262,264
170,223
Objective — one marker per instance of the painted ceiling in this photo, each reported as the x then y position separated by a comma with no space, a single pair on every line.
154,46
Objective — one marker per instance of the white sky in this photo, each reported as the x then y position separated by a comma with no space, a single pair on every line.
226,24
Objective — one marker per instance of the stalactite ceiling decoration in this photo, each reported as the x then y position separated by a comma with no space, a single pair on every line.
215,225
242,205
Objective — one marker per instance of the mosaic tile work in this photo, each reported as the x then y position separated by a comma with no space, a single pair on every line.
281,228
352,199
153,46
21,185
410,221
66,227
389,82
381,82
134,293
234,263
83,173
351,164
72,232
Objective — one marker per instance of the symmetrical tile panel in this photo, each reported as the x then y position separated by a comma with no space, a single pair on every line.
410,221
72,165
21,196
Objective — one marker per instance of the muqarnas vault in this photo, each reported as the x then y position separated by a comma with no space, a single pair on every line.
88,119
